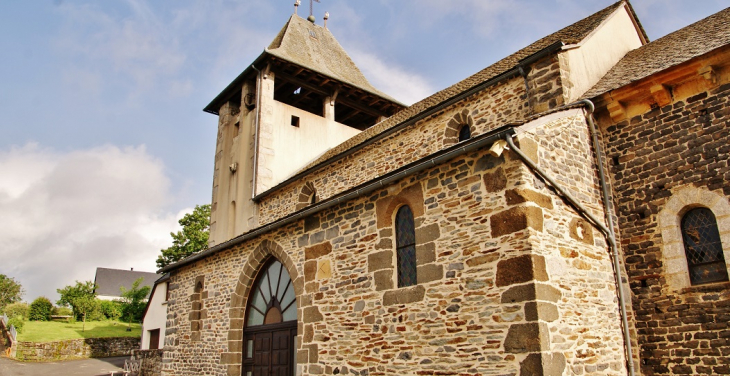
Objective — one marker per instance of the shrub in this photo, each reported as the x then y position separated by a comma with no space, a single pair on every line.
17,309
17,322
40,309
62,311
112,310
95,313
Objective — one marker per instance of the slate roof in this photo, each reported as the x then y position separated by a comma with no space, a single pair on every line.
314,47
673,49
108,281
320,53
572,34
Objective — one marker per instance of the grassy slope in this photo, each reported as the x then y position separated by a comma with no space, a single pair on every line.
48,331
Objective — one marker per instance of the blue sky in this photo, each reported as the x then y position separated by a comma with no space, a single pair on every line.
103,141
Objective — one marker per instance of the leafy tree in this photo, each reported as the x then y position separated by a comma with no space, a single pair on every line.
81,298
10,291
133,301
17,310
40,309
192,238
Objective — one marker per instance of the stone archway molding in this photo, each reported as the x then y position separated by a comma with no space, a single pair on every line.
682,200
239,298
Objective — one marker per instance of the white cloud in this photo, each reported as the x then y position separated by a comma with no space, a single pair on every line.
391,79
66,213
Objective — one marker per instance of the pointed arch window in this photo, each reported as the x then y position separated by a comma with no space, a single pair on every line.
405,247
703,247
464,133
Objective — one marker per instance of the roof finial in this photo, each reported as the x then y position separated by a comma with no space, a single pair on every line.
296,5
311,10
326,17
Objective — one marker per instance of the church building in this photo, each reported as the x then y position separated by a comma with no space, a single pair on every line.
563,211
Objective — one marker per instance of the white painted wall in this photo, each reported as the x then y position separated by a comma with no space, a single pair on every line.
583,66
295,147
156,316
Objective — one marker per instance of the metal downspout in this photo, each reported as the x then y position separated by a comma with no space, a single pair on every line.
607,231
612,234
256,132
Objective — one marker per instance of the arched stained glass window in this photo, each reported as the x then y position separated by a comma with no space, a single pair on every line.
703,247
464,133
405,247
272,299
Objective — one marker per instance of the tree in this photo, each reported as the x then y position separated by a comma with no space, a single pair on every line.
10,291
133,301
192,238
81,298
40,310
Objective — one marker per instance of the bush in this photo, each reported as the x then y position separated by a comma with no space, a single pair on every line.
95,313
17,309
62,311
17,322
112,310
40,309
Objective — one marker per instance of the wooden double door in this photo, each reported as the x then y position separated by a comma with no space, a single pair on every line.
269,350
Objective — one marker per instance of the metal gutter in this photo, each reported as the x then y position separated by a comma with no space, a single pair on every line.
517,70
377,183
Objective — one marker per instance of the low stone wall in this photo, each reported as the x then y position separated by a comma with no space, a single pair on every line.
151,361
76,348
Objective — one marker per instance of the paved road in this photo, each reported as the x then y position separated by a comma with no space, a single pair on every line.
84,367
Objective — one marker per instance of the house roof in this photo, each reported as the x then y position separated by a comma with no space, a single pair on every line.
572,34
312,47
673,49
108,281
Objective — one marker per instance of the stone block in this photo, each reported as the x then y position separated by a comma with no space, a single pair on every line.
516,219
495,181
383,280
324,269
312,314
530,148
521,195
317,251
380,260
521,269
543,364
430,272
525,338
488,162
404,295
541,311
529,292
310,270
428,233
425,253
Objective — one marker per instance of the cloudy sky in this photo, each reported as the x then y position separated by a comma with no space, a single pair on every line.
103,142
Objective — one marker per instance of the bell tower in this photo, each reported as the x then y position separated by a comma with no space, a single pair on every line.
302,96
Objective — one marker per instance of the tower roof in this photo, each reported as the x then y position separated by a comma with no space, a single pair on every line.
312,47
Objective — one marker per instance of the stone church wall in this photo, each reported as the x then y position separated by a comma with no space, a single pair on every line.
668,160
487,110
493,296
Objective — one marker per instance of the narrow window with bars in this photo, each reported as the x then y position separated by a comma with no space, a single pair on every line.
703,247
405,234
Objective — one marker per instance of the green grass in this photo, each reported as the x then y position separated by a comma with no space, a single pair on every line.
48,331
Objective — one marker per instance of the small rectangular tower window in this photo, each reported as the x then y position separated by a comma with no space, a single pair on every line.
295,121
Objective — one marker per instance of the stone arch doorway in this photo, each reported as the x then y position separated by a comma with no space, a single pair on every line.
270,331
